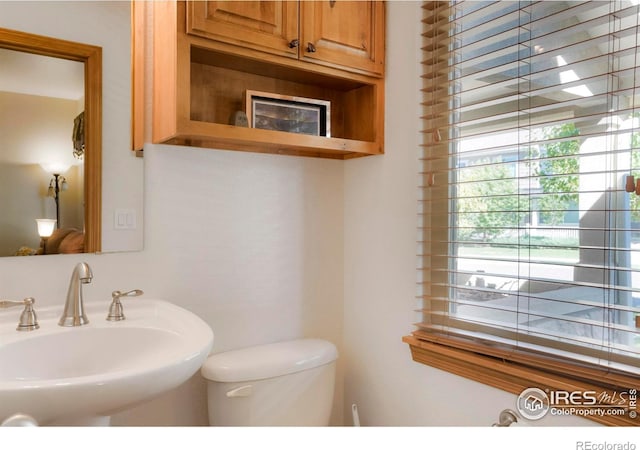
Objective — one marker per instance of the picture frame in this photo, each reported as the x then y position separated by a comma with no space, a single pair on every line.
268,111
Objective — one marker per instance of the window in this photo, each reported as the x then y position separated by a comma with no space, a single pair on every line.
530,258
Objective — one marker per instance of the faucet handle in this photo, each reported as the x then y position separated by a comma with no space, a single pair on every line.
116,312
28,319
131,293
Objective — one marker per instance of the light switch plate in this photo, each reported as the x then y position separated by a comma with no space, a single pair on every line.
124,219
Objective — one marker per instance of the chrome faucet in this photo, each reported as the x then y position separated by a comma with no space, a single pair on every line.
73,315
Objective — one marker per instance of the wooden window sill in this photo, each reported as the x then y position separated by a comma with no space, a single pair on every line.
514,377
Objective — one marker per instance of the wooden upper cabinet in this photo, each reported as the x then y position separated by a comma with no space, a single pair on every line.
206,55
268,26
347,35
344,33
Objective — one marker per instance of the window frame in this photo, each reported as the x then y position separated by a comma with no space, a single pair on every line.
512,369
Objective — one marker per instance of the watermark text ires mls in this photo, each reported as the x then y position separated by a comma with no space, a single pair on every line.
535,403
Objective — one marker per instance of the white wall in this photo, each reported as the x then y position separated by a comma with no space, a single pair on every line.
252,244
380,268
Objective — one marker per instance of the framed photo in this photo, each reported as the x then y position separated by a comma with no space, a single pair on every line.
286,113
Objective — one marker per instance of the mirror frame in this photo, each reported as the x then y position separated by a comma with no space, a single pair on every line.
91,56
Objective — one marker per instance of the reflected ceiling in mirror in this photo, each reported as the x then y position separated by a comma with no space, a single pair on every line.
50,144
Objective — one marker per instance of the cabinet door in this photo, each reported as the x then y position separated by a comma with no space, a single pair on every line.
268,26
348,34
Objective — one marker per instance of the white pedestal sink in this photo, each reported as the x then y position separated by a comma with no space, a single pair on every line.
82,375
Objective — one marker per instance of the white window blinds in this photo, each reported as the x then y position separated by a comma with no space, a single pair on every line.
531,244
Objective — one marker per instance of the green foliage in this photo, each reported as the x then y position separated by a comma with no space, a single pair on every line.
488,200
558,172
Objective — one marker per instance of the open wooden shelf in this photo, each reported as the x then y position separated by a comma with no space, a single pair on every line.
200,83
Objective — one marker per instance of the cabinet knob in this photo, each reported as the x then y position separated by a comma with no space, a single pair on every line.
294,43
311,48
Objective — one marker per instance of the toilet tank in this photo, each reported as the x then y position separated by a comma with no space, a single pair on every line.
283,384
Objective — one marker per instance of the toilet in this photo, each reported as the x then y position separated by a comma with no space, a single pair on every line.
283,384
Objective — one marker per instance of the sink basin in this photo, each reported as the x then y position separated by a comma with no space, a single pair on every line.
73,375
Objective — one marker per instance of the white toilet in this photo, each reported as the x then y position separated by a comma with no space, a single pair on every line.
283,384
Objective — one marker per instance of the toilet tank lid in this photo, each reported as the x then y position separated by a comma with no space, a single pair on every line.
268,361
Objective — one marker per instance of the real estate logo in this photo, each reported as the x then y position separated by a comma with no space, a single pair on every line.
533,403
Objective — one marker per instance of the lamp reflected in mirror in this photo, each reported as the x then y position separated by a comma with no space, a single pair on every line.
45,230
57,184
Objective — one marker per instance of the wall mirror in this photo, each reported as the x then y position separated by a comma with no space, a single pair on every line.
112,187
50,144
